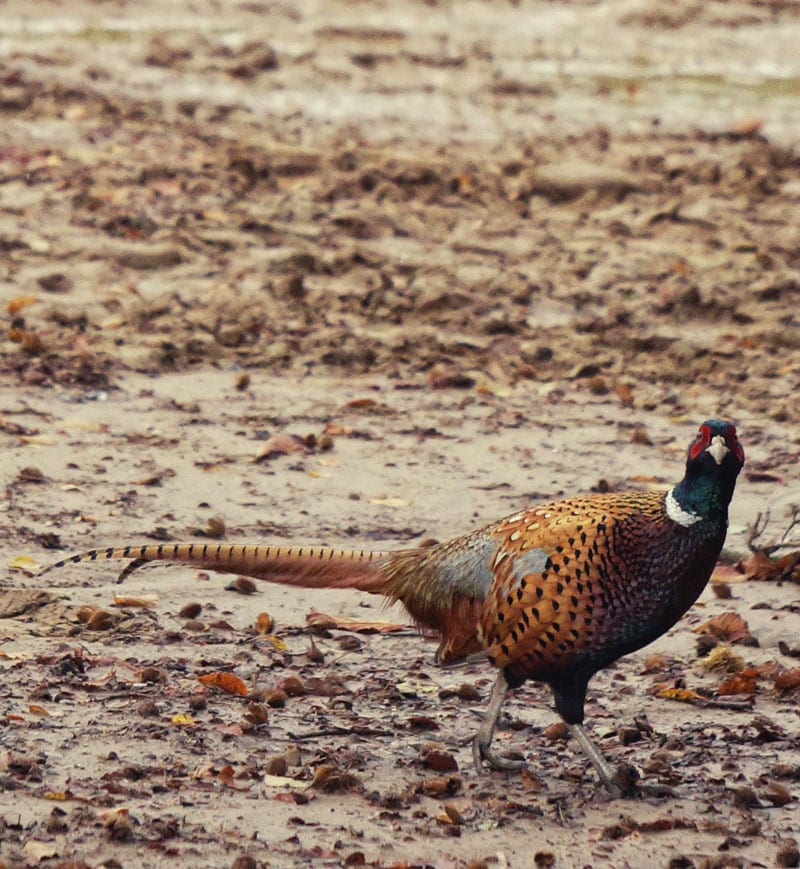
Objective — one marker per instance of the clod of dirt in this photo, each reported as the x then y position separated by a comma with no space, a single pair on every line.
776,794
291,686
440,761
101,620
745,797
191,610
256,715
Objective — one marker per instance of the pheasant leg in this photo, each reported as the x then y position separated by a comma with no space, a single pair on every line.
482,743
604,769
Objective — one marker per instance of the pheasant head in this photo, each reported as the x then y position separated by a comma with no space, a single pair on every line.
714,460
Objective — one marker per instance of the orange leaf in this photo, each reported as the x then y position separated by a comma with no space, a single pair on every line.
727,573
761,567
742,683
264,623
682,694
20,302
227,682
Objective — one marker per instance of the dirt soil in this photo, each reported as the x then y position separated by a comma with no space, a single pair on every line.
470,256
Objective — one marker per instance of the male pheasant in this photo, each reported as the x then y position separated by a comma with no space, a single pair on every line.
553,593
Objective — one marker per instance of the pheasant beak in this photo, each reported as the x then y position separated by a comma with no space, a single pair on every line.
718,449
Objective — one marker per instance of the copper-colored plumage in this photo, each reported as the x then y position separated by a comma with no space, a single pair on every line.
553,593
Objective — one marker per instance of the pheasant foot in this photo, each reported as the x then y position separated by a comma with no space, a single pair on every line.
482,743
618,784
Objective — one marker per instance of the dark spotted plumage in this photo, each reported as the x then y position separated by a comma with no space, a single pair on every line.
553,593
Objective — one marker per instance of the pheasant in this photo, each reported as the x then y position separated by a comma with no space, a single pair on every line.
553,593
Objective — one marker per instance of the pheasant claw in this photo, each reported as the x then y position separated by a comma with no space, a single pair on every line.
482,743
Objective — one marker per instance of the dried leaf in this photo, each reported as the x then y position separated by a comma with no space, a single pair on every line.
277,643
763,477
19,302
142,600
761,568
728,574
280,445
343,623
776,794
86,425
35,851
24,564
215,528
444,786
38,440
183,719
729,627
227,682
390,502
722,659
280,781
330,778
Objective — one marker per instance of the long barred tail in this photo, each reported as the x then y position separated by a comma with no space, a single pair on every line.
304,566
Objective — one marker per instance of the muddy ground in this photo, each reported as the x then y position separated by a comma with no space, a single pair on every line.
475,256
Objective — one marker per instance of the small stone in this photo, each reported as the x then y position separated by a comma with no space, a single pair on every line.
468,692
276,765
242,585
147,708
292,686
627,735
102,620
557,732
745,797
788,854
277,699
